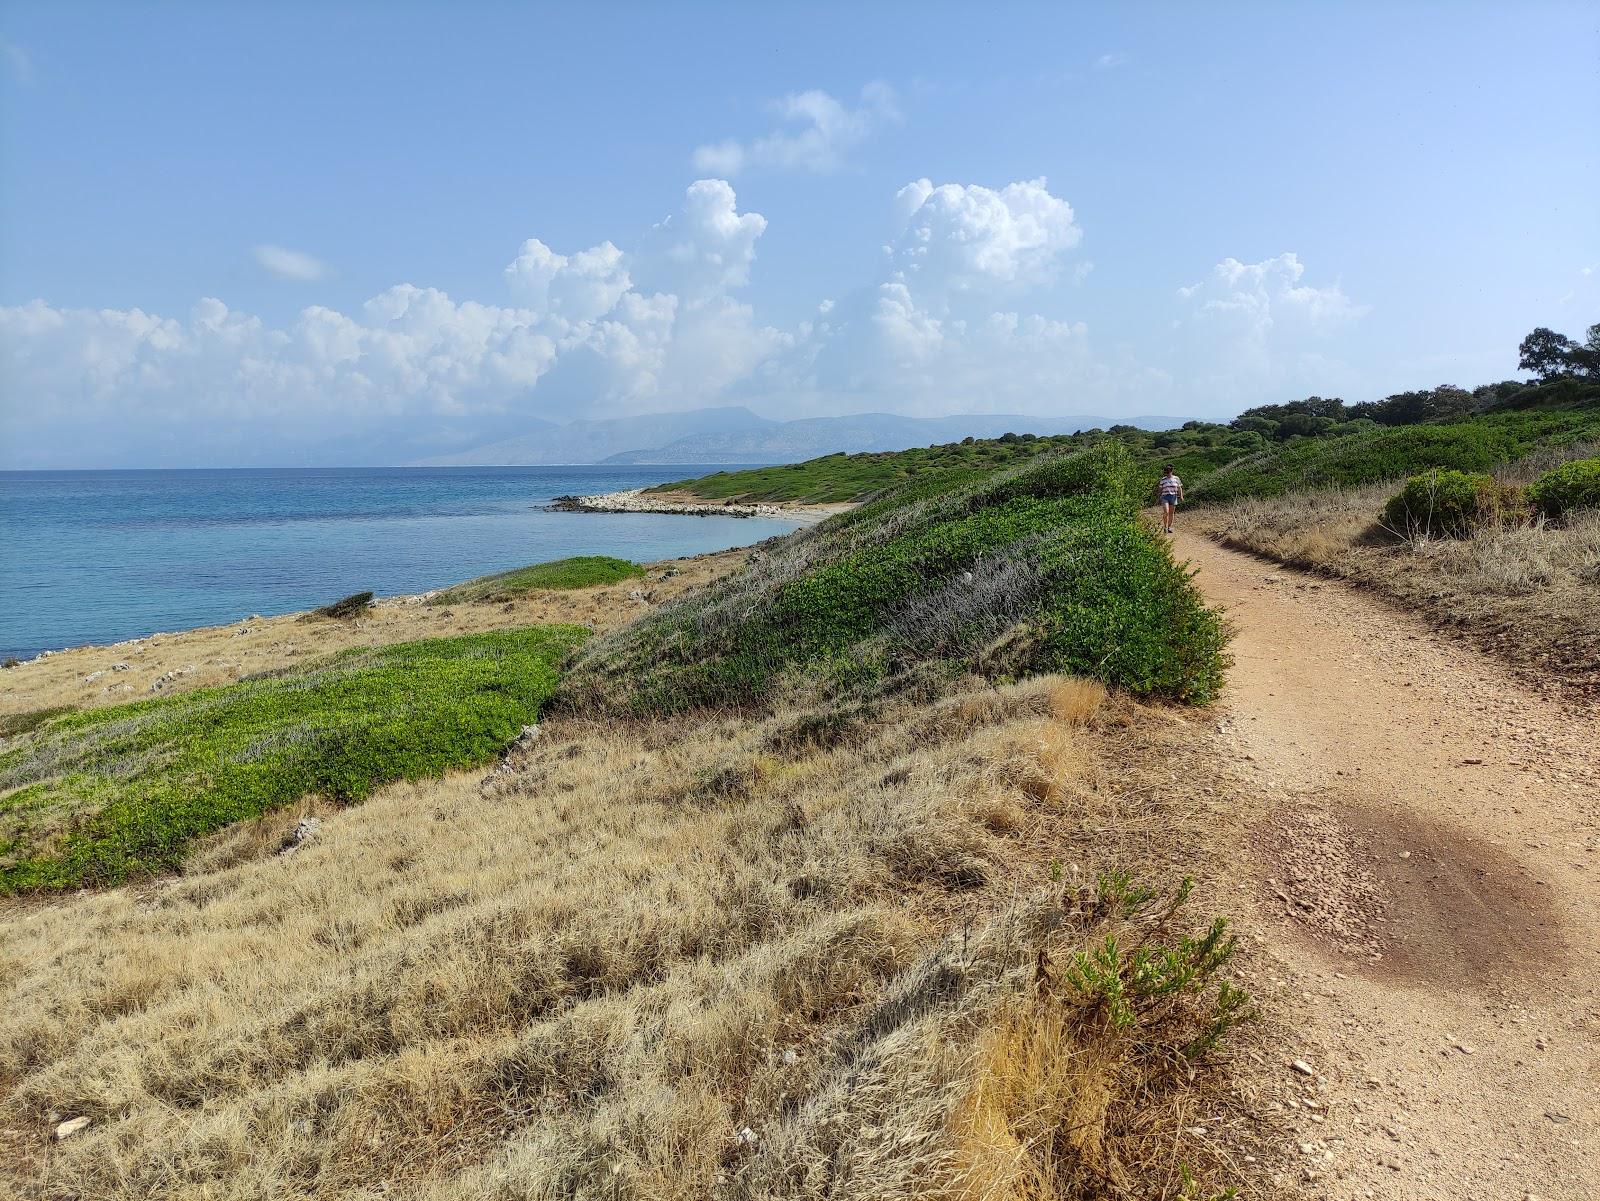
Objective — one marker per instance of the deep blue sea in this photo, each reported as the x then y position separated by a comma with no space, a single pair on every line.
99,556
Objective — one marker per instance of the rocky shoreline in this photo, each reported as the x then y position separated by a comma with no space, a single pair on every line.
635,500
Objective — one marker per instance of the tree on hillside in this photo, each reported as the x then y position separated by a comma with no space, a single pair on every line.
1429,404
1589,355
1550,355
1313,415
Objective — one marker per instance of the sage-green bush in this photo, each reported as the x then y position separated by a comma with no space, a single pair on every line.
1574,485
1448,504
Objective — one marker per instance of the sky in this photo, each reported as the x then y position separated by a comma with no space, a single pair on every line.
262,234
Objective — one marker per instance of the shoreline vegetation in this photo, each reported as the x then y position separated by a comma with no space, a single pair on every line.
179,661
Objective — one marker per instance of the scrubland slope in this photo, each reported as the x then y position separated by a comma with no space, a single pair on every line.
818,882
589,974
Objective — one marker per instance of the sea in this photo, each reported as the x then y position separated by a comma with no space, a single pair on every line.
102,556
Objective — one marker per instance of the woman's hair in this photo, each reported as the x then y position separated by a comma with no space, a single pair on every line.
1167,470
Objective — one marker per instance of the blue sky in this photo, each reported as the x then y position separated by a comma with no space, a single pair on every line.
249,233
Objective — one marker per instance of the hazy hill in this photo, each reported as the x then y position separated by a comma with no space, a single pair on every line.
597,441
736,435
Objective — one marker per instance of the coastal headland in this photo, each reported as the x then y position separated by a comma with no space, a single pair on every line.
652,500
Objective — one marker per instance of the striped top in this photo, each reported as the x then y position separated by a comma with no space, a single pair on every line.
1170,485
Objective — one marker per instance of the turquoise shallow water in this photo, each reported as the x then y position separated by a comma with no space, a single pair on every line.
99,556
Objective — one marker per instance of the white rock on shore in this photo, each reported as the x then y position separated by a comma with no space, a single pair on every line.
635,500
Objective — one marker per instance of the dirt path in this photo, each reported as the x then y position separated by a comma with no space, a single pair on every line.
1425,872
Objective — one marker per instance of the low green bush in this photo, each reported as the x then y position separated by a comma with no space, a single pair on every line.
13,724
353,605
98,796
1449,504
580,571
1574,485
1033,568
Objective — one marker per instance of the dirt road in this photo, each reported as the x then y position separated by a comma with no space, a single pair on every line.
1423,862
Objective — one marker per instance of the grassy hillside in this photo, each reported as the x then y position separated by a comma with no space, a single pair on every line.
844,477
919,961
1195,449
1266,451
1477,443
98,796
581,571
1011,570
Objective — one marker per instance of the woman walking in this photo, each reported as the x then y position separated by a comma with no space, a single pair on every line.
1171,494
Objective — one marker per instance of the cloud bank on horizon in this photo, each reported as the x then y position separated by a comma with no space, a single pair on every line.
943,327
943,323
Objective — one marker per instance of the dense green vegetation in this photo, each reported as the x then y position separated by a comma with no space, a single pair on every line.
581,571
1574,485
99,796
841,477
1196,448
1476,443
1265,451
1039,566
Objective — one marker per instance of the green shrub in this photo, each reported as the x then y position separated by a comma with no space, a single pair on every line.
1450,504
1574,485
580,571
1038,567
13,724
98,796
351,606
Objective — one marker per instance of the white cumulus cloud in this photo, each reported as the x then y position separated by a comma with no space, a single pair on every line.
961,314
575,288
960,236
936,333
1254,298
289,264
1253,328
577,335
704,250
819,132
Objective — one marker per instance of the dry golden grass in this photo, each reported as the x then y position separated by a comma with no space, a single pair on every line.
1525,591
85,677
587,974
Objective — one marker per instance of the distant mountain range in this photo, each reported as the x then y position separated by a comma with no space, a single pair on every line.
736,435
